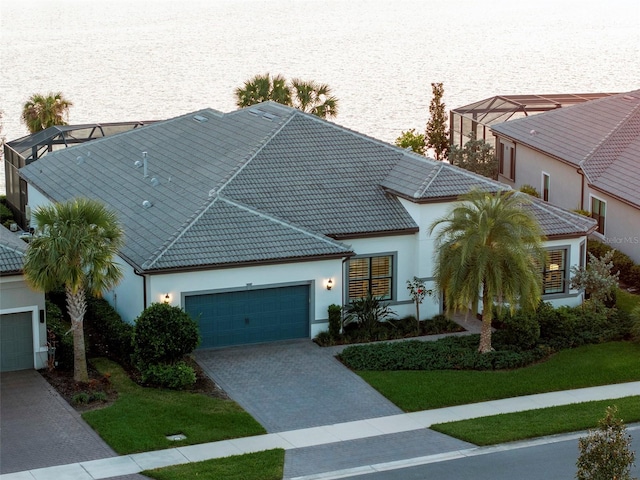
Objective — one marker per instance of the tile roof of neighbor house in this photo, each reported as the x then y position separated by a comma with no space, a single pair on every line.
602,137
262,184
11,252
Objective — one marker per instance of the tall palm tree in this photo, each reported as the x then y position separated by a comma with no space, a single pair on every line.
262,88
314,98
310,97
44,111
74,249
489,247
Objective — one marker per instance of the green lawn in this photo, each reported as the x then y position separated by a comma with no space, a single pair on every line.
590,365
141,418
537,423
627,301
267,465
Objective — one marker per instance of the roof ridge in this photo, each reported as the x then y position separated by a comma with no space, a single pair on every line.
605,140
424,186
159,252
251,156
271,218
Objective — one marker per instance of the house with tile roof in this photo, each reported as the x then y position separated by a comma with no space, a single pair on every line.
23,332
585,157
255,221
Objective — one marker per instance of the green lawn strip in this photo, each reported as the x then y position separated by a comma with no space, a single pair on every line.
587,366
267,465
141,418
627,301
509,427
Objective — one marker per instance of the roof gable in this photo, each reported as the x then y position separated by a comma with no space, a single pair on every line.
11,252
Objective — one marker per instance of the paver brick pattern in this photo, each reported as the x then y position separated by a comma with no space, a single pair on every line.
292,385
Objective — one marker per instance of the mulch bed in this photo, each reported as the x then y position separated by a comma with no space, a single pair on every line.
62,381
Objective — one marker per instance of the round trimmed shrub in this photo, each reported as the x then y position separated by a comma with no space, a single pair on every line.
520,331
163,334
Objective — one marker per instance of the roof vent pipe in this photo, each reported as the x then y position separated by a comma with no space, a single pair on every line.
144,164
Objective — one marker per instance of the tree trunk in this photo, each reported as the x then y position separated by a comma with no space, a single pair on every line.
485,333
77,306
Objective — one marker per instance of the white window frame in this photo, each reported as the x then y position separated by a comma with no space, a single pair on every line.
604,229
542,186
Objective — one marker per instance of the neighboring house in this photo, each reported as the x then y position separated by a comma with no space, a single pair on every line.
23,331
479,117
583,157
255,221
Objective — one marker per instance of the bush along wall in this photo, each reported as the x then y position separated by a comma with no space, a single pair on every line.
107,334
520,340
629,271
163,336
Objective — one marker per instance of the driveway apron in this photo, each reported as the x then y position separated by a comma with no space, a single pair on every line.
39,429
293,384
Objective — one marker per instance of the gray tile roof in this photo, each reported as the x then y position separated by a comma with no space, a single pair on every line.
229,233
262,184
423,179
600,136
11,252
419,178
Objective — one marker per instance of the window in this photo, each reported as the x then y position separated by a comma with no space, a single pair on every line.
370,274
546,180
554,272
598,211
582,254
507,153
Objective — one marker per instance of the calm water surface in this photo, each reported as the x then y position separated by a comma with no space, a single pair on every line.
152,59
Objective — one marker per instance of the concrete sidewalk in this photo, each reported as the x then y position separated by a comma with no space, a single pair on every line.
325,435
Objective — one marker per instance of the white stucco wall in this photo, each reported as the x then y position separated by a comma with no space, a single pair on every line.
127,298
565,183
315,273
621,226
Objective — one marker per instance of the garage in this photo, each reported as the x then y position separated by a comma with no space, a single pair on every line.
251,315
16,341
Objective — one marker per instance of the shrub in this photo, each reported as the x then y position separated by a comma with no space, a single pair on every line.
530,190
107,334
323,339
452,353
440,324
177,376
81,398
58,334
635,324
163,334
335,321
368,312
520,331
606,453
6,215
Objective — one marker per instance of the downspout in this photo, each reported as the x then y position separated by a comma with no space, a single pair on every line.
581,188
344,260
144,288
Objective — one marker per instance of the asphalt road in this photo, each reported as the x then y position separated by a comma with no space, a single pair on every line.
539,462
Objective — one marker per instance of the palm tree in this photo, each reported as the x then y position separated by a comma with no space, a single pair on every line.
74,249
314,98
262,88
489,246
44,111
310,97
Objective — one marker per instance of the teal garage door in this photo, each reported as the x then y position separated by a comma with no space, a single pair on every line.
251,316
16,342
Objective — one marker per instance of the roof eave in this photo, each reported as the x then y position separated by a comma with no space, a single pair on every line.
250,263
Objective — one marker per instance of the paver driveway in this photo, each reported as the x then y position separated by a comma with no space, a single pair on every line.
293,384
38,428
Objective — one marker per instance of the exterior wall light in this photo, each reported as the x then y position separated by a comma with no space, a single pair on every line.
329,284
167,298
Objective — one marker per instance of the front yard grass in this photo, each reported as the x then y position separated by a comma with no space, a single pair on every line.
627,301
509,427
586,366
267,465
141,418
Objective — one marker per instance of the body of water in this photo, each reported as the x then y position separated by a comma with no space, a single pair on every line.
121,60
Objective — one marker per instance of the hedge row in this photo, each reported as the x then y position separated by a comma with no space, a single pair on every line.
521,339
629,271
